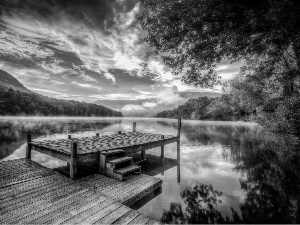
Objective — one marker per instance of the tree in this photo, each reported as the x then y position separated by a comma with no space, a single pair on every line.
219,110
271,88
194,35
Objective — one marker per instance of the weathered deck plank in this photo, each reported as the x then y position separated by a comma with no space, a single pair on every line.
38,195
95,144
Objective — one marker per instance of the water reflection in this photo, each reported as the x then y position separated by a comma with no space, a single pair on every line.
272,184
268,166
201,202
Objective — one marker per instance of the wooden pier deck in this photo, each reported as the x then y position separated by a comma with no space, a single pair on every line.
93,149
33,194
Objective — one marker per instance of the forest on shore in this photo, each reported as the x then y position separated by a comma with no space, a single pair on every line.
17,100
204,108
17,103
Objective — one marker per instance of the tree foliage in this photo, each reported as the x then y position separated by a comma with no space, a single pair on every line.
271,88
192,109
15,102
194,35
204,108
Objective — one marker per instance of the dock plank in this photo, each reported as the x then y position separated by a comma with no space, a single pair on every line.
35,194
50,206
127,218
84,214
113,216
104,211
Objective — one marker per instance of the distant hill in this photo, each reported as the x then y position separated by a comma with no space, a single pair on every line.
8,81
194,108
119,104
193,94
15,99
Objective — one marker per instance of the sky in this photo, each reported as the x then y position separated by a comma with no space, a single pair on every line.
88,51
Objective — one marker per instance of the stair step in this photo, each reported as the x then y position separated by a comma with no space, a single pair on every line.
127,169
120,160
112,152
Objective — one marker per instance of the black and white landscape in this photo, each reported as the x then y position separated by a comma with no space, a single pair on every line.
229,69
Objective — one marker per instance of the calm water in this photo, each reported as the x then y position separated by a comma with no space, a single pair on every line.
229,171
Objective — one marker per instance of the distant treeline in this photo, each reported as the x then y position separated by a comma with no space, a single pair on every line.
204,108
15,102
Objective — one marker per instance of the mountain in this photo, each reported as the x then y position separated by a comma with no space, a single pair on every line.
193,94
8,81
15,99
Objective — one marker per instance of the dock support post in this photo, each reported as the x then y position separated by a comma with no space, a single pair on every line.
97,134
178,142
68,164
29,146
143,155
73,166
178,173
102,163
162,151
134,127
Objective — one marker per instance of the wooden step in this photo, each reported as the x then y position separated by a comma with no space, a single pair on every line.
112,152
127,169
120,160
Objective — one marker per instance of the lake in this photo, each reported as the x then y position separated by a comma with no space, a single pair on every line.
228,172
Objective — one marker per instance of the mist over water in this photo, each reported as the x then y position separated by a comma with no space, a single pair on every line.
228,172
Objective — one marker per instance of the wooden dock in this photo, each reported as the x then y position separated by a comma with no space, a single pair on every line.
96,149
33,194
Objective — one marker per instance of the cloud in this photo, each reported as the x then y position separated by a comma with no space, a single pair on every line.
166,100
133,108
149,104
169,97
47,91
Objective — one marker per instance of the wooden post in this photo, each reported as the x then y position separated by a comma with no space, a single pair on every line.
134,127
29,146
73,166
162,151
102,163
178,173
179,127
143,155
69,136
119,132
97,134
178,142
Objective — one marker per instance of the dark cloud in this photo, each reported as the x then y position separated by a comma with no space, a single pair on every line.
93,13
124,77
